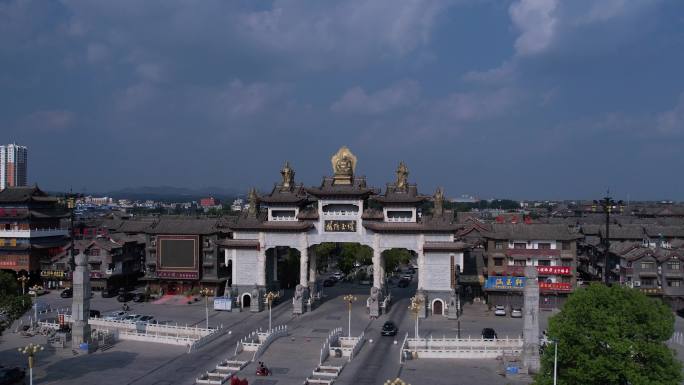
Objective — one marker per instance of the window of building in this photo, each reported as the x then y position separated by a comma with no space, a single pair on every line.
674,282
673,265
519,245
647,265
518,262
498,261
94,252
543,262
544,246
649,282
565,245
498,245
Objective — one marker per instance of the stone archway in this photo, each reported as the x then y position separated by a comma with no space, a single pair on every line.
246,301
437,307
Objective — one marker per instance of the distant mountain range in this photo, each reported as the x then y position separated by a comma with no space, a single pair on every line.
173,194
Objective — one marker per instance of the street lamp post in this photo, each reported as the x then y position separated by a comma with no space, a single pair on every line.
270,296
607,204
30,350
23,279
349,299
206,292
416,303
35,302
555,362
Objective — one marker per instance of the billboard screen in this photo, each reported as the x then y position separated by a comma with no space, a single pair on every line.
177,253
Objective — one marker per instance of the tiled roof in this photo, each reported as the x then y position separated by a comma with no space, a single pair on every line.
635,232
398,196
190,226
357,188
655,231
24,195
446,246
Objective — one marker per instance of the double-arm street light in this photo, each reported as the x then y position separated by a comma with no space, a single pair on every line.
23,279
607,204
206,292
416,305
268,299
30,350
349,299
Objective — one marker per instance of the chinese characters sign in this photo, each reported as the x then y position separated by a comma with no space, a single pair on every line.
561,286
505,283
177,275
554,270
340,226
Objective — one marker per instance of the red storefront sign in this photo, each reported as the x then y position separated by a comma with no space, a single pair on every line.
559,286
554,270
177,275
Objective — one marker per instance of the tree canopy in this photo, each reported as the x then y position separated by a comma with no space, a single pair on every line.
611,336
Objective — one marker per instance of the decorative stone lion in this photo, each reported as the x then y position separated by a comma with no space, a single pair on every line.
374,294
299,293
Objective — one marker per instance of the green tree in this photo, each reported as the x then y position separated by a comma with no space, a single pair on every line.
396,257
611,336
8,284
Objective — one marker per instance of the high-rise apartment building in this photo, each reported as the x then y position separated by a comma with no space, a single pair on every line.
13,166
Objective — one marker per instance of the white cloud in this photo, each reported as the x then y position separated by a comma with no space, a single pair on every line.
48,121
356,100
672,121
536,21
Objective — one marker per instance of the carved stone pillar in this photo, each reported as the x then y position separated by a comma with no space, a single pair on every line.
80,329
303,266
530,352
312,273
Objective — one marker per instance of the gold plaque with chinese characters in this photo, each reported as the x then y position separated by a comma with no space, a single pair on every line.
340,226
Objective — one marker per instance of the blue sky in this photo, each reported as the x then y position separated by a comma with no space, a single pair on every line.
523,99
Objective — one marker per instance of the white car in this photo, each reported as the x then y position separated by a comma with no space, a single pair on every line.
500,310
516,313
338,276
115,316
132,317
37,291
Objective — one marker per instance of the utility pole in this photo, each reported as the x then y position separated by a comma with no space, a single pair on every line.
607,204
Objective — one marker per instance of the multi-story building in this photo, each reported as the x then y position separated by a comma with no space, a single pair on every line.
31,229
13,166
551,248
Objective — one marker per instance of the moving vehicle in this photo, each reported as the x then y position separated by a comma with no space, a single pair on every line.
115,316
139,297
389,329
95,314
10,376
262,370
404,282
124,297
516,313
329,282
338,275
500,310
67,293
489,334
146,319
110,292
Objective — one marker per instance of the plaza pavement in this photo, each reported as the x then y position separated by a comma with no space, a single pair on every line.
291,358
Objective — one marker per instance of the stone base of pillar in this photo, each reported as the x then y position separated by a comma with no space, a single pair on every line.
422,312
300,299
375,302
453,310
313,290
257,301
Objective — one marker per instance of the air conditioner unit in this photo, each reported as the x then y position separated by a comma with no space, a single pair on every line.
637,283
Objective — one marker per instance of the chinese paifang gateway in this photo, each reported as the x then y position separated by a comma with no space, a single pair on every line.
338,211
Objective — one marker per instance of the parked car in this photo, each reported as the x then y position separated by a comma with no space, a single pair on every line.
139,297
124,297
95,314
489,334
329,282
516,313
10,376
389,329
404,282
500,310
146,319
408,277
132,318
115,316
338,275
110,292
67,293
680,312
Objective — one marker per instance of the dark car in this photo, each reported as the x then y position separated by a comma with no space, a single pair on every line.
95,314
67,293
139,297
329,282
11,376
404,282
680,312
489,334
124,297
389,329
110,292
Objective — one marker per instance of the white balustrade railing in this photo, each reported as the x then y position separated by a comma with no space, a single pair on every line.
357,345
274,333
401,351
333,337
